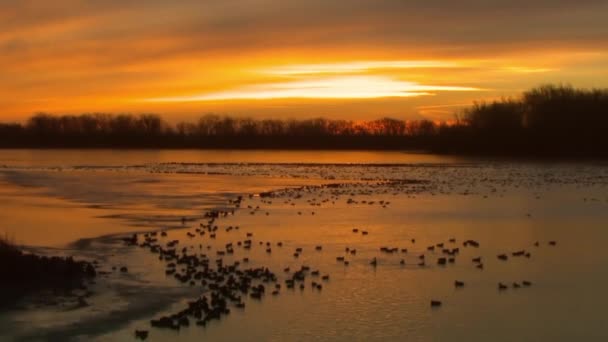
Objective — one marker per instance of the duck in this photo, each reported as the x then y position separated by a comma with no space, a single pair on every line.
435,303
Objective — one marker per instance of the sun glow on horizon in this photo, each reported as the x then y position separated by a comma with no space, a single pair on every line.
342,87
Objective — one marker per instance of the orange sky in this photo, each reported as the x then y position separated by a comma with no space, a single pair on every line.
356,59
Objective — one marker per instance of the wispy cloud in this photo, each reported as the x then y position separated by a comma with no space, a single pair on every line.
345,87
356,66
528,70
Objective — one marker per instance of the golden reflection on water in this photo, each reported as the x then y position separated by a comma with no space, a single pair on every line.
79,205
73,157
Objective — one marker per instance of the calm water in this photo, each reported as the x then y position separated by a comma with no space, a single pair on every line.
82,202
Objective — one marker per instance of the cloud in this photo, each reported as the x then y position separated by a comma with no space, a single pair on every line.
356,66
88,54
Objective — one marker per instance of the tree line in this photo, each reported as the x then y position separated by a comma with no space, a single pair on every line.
552,120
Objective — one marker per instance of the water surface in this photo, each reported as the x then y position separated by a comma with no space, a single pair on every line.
81,203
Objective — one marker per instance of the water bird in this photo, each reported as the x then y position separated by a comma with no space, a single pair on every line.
471,242
458,283
435,303
141,334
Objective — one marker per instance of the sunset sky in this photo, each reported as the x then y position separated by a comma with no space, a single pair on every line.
356,59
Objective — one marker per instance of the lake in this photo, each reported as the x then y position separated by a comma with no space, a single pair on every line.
84,202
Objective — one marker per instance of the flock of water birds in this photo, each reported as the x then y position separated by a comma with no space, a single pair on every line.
225,285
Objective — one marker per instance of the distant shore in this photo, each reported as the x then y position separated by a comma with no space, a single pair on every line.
549,121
